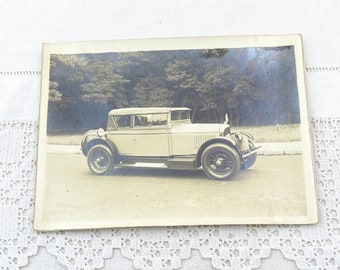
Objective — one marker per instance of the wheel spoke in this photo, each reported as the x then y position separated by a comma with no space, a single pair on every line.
100,160
220,161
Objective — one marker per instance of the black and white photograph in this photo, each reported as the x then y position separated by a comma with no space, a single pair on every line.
174,131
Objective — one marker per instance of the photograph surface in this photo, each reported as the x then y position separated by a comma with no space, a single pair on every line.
179,131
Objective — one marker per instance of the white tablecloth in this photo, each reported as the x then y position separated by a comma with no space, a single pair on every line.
25,25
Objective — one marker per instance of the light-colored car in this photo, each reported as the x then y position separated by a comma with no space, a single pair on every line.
166,138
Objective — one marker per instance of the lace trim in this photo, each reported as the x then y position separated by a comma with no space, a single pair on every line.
322,69
228,247
21,73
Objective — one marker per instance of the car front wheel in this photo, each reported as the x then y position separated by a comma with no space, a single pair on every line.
100,159
220,161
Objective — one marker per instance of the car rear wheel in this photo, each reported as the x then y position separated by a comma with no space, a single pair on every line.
100,159
220,161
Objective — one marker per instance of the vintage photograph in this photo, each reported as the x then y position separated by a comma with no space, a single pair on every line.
174,131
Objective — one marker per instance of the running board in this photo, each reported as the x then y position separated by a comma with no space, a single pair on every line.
181,163
141,165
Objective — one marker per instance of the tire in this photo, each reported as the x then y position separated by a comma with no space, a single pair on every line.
100,159
249,161
220,161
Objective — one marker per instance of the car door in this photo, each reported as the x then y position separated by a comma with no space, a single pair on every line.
121,134
151,135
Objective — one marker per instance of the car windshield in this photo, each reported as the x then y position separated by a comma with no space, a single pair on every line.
180,115
110,123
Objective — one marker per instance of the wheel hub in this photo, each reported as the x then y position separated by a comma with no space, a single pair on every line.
99,159
219,162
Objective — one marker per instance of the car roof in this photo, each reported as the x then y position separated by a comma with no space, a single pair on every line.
143,110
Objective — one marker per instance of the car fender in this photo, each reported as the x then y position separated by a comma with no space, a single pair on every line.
86,148
241,140
225,140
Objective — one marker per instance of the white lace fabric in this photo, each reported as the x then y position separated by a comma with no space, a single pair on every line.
228,247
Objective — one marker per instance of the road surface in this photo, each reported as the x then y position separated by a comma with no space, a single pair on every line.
273,188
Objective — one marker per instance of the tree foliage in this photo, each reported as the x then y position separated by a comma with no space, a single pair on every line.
183,79
253,85
103,85
151,91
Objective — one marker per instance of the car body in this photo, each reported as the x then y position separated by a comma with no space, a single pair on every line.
165,138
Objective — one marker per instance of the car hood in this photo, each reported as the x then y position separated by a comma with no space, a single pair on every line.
199,128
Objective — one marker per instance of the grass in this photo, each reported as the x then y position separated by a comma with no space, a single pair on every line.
284,133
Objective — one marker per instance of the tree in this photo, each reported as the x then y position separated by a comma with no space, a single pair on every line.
59,61
214,90
217,53
152,92
180,73
103,86
183,76
252,85
54,95
242,102
64,77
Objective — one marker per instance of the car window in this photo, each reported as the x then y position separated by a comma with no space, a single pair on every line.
123,120
180,115
148,120
141,121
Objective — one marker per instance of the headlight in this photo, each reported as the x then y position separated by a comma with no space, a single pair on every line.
101,132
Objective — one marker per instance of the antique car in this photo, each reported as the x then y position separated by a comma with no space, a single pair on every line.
166,138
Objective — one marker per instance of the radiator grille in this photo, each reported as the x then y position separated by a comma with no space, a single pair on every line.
199,139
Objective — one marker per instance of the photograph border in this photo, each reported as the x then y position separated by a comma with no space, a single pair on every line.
160,44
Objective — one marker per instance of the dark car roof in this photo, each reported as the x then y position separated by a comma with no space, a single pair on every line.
144,110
